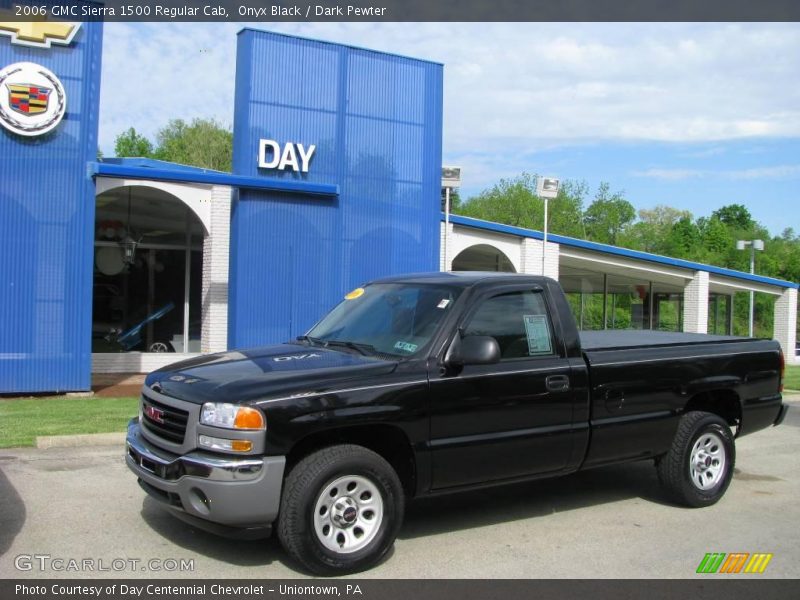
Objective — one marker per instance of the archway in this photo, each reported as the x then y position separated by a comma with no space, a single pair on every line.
482,257
148,271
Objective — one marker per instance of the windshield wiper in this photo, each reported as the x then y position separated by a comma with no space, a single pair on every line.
364,349
311,340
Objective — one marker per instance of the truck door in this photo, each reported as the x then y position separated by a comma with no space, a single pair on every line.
510,419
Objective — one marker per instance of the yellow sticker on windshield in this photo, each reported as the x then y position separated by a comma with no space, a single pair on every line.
356,293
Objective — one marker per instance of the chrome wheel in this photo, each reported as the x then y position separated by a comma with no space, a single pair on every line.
348,514
707,461
159,347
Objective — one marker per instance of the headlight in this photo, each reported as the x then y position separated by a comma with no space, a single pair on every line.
232,416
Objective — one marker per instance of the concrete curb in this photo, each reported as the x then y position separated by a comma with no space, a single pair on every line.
116,438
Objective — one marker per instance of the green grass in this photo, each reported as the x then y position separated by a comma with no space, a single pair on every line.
791,380
23,419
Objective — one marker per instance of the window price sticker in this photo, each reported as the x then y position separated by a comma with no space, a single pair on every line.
538,334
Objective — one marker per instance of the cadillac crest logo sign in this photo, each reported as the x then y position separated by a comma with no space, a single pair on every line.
28,99
32,99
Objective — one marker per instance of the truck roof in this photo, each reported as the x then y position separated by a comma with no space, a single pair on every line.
462,278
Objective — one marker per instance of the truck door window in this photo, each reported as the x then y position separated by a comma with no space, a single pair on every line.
518,321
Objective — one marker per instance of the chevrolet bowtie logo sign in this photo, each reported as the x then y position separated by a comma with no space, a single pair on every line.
39,34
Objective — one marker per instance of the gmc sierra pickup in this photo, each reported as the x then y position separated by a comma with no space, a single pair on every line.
430,384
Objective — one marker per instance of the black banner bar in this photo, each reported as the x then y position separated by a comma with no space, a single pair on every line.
403,10
730,587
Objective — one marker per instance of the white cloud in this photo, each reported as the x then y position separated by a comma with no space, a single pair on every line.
779,172
774,172
156,72
672,174
511,89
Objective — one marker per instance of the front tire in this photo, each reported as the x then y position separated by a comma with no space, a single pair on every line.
698,468
341,509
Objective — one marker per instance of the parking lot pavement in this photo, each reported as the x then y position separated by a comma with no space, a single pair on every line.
74,503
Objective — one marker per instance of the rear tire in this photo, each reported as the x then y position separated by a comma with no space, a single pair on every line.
160,346
341,509
698,468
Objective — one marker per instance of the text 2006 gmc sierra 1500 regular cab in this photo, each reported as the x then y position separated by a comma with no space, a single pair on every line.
434,383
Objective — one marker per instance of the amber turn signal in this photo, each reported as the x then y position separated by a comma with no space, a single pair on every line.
249,418
241,445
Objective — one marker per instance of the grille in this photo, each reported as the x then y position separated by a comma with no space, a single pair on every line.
173,421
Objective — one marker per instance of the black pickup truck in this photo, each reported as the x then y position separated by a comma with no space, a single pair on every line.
430,384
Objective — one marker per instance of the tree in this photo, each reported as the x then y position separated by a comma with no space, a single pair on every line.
201,143
682,239
455,200
716,236
735,216
510,201
565,213
651,232
608,216
130,143
514,202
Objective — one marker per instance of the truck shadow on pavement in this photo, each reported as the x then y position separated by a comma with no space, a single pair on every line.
244,553
431,516
12,513
540,498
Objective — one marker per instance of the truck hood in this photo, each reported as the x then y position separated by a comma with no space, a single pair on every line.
247,375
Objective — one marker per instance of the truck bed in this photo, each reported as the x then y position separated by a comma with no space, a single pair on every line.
619,339
640,382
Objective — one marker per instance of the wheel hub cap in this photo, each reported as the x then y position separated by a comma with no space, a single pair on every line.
708,461
345,512
348,513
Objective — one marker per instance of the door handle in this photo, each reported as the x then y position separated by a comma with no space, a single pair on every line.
557,383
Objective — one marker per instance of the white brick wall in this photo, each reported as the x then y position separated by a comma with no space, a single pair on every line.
446,254
786,324
216,254
531,258
134,362
695,304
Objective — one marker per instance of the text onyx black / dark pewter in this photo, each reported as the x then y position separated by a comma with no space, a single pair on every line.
432,384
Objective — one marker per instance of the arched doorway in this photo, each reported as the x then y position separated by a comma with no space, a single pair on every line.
482,257
148,271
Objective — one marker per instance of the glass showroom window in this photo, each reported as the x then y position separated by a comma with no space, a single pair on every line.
147,273
585,294
720,314
629,303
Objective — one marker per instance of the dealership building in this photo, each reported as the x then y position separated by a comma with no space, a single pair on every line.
124,265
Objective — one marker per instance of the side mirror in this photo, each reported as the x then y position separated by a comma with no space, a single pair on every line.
473,350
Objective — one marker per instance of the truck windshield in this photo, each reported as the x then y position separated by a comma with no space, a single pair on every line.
385,318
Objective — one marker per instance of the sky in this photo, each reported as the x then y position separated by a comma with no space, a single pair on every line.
695,116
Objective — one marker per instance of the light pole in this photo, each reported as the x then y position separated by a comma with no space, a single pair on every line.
451,178
546,188
754,245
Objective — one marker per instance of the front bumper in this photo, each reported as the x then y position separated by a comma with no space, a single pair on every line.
781,414
225,495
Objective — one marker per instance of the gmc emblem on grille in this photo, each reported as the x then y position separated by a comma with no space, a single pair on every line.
155,414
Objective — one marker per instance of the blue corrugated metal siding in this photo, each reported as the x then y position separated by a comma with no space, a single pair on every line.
377,122
46,229
184,174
